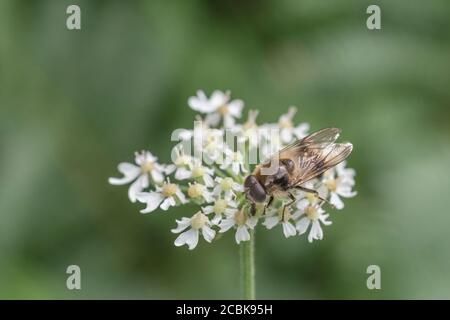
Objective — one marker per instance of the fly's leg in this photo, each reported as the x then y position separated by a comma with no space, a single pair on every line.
314,192
267,205
253,209
290,203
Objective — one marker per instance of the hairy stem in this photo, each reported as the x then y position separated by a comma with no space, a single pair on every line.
247,257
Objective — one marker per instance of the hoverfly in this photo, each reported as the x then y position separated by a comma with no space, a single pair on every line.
297,163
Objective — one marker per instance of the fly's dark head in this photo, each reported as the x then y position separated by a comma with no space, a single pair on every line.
254,190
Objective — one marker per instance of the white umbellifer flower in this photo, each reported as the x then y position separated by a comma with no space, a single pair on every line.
165,196
272,219
213,145
197,172
221,207
217,107
287,127
242,223
146,166
228,187
211,175
338,182
180,162
234,161
249,130
199,192
198,222
311,215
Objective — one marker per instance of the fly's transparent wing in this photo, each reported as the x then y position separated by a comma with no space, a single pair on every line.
315,161
316,140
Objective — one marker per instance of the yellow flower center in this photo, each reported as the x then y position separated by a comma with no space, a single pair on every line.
331,184
147,167
223,110
311,213
198,220
169,189
240,218
285,123
311,197
220,206
196,190
226,184
198,172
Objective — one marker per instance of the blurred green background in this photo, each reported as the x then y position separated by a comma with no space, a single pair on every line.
73,104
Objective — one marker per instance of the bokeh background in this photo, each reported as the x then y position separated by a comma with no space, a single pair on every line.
75,103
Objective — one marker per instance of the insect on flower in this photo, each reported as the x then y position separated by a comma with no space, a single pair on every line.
295,165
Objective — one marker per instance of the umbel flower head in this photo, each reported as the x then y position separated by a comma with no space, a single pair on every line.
208,169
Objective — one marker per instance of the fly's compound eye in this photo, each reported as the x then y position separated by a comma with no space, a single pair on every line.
256,191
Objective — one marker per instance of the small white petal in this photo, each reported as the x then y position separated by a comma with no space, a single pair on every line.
152,199
319,232
208,209
345,191
314,233
208,196
218,98
302,204
302,225
217,190
235,166
301,130
228,121
157,176
323,218
226,224
136,187
208,233
232,204
271,222
189,237
286,135
242,234
167,203
230,212
252,222
216,220
130,172
200,103
336,201
212,119
288,229
238,187
170,168
181,196
181,225
209,182
235,108
182,174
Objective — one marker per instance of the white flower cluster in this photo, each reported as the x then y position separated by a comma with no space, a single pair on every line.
213,178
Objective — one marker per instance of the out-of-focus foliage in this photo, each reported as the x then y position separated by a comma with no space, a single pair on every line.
75,103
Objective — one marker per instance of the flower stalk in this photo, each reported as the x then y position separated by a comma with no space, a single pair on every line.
247,261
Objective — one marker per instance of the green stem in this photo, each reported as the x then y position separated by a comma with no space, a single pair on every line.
247,257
